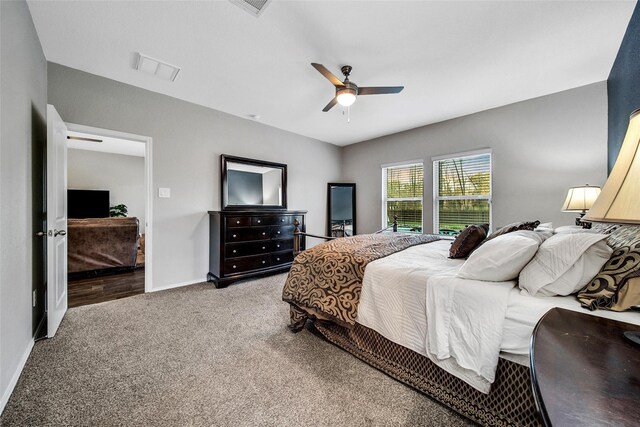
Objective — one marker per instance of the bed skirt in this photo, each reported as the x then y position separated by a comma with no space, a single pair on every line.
510,403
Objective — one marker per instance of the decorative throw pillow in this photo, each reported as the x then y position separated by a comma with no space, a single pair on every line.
467,240
604,228
500,259
525,225
564,264
616,286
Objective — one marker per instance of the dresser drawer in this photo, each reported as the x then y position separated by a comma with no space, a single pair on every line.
279,258
234,250
272,220
282,232
238,265
282,245
237,221
248,234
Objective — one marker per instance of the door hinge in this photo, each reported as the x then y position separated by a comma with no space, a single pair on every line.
33,298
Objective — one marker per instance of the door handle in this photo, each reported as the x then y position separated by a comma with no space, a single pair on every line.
59,233
41,234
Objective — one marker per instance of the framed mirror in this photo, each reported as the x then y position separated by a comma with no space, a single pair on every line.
341,210
253,184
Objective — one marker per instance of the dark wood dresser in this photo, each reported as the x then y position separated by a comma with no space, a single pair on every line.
250,243
583,372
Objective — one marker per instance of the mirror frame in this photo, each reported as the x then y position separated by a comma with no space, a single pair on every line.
353,204
225,159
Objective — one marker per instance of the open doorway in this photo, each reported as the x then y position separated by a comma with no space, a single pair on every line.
109,209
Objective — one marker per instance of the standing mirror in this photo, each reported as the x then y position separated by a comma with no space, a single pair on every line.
341,210
253,184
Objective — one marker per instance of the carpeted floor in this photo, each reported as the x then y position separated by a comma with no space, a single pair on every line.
200,356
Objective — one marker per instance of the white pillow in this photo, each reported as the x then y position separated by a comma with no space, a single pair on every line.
571,229
538,236
502,258
564,264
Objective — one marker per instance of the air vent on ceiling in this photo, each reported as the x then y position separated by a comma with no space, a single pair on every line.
254,7
156,67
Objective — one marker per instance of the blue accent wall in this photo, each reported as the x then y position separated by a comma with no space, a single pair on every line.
623,86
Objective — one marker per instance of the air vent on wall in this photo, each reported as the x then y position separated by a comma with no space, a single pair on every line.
254,7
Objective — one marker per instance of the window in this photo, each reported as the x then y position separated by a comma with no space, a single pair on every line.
462,191
402,192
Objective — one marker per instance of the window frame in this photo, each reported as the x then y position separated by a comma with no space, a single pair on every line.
398,165
436,185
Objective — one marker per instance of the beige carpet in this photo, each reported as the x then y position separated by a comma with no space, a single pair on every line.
200,356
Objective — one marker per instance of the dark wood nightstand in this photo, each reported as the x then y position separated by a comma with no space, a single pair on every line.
583,372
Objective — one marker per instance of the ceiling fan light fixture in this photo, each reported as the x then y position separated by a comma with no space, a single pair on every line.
346,96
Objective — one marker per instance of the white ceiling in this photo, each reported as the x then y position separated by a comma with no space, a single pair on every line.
453,57
105,144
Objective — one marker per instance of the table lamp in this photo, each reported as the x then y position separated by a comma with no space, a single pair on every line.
580,199
619,201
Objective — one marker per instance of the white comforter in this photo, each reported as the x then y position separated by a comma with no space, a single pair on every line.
464,327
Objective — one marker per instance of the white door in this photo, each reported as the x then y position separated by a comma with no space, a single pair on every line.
56,220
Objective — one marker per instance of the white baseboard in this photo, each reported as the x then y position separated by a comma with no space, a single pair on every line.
16,375
176,285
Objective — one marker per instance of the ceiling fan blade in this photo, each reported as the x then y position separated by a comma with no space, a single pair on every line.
330,105
379,90
323,70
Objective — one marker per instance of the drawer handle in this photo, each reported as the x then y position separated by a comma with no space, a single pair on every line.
234,266
237,222
263,248
234,235
277,259
259,221
264,234
282,220
264,262
234,251
278,232
277,246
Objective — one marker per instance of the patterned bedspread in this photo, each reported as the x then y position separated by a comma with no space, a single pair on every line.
325,281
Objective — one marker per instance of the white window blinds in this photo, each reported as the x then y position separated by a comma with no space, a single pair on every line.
402,196
462,192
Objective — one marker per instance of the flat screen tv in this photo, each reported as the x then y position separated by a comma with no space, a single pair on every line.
87,203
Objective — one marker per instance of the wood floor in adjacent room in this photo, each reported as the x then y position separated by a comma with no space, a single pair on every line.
92,290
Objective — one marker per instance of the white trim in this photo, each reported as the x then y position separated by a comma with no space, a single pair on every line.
148,178
402,164
16,376
463,154
177,285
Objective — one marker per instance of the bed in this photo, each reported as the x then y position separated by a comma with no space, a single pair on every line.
398,316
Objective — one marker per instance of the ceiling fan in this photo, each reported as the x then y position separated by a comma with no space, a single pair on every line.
347,91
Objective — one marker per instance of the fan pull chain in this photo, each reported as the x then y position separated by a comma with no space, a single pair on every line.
349,114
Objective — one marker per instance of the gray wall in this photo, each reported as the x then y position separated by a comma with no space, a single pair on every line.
122,175
187,143
541,147
23,93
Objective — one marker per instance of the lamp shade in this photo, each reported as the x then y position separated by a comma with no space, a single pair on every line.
580,199
620,198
